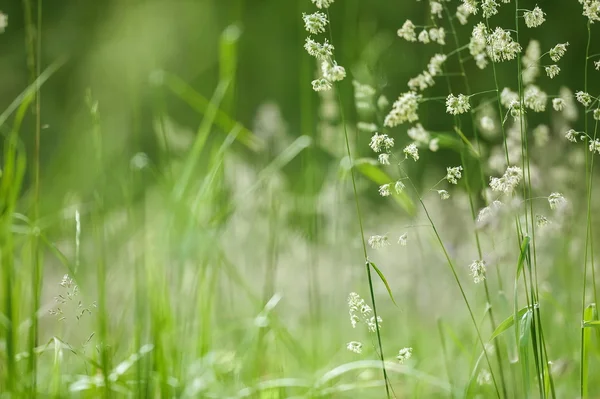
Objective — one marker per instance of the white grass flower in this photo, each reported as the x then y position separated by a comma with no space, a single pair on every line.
3,22
419,134
381,142
404,354
484,377
487,214
597,65
501,46
462,14
322,3
412,151
507,97
436,8
541,135
421,82
434,144
541,220
384,190
596,114
535,99
595,146
556,200
584,98
454,174
478,45
378,242
356,306
384,159
571,135
558,104
382,102
438,35
332,71
444,195
404,109
470,6
424,37
399,187
371,324
456,105
321,51
570,112
354,346
516,109
557,52
315,23
487,123
366,127
534,18
489,8
407,31
552,71
531,62
591,9
509,181
403,239
321,85
478,271
435,64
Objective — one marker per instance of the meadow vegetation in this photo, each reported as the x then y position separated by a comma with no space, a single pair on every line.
313,199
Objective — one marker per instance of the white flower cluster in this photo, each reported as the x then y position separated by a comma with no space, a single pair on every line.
404,354
478,270
558,51
315,24
597,65
489,8
531,62
552,71
322,3
556,200
454,174
435,35
571,135
412,151
456,105
584,98
425,79
385,190
591,9
404,109
501,46
489,213
509,181
535,99
534,18
378,242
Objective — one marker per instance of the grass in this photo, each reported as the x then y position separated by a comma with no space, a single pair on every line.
215,261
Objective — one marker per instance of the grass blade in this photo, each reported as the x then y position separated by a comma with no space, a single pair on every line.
382,277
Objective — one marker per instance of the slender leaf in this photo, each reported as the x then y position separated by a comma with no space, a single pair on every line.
507,323
382,277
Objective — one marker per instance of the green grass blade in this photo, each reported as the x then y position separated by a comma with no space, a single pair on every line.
205,107
382,277
588,318
507,323
524,342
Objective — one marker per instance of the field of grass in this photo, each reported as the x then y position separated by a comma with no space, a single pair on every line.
303,199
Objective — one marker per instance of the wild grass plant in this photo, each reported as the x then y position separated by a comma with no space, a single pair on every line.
438,245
